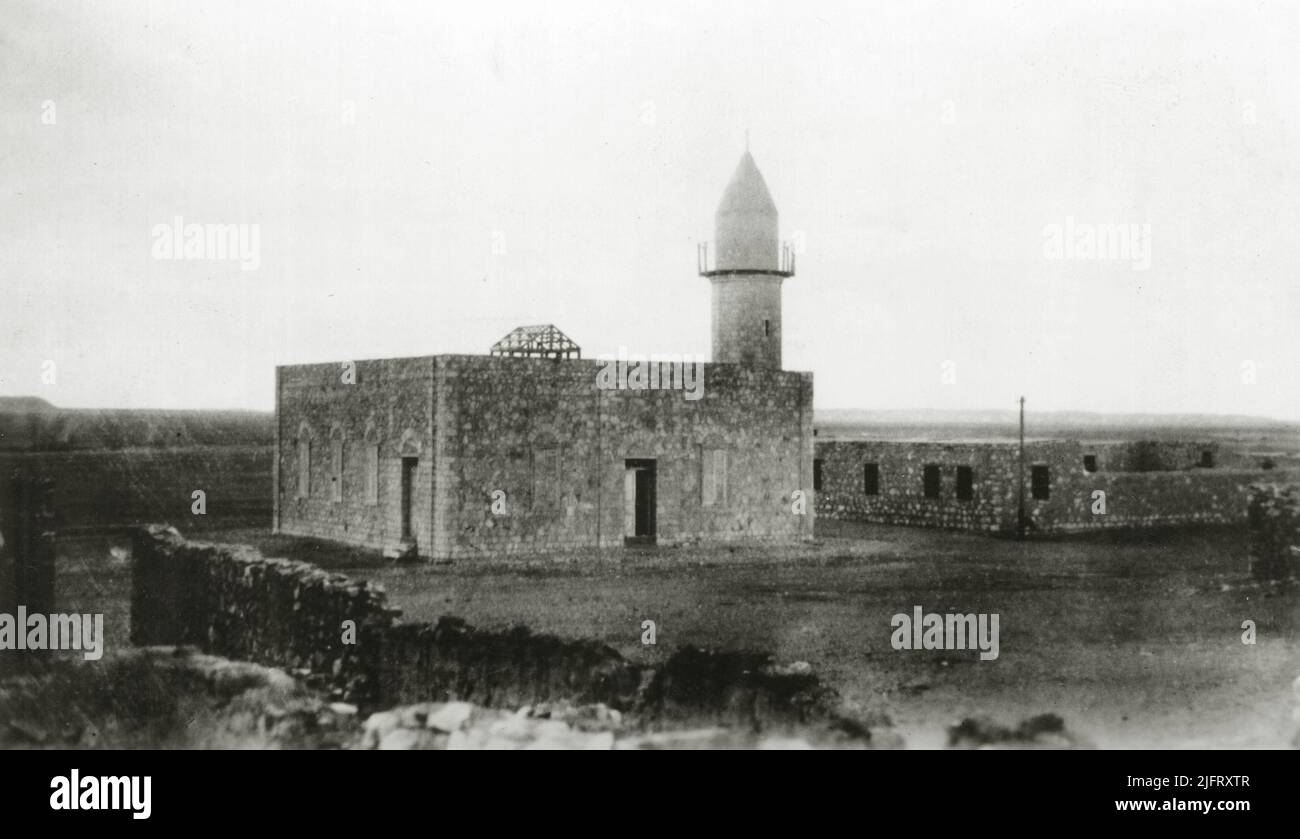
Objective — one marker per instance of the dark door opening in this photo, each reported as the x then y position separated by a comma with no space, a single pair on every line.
639,502
408,493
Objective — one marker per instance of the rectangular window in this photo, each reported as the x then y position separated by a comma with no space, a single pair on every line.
1207,459
304,469
546,479
871,479
713,476
371,488
930,480
817,475
965,483
1040,483
336,470
1090,463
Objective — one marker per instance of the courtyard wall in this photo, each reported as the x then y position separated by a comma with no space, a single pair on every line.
232,601
1160,495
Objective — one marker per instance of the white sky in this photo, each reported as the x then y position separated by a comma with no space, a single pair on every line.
918,149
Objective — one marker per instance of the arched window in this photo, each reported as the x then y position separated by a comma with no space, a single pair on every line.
370,465
304,461
410,443
336,464
713,474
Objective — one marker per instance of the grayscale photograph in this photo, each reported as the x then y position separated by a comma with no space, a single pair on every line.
586,375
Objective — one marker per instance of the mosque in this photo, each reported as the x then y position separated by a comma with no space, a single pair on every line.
527,450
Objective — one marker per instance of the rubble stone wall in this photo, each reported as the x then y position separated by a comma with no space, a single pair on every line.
544,434
231,601
1153,497
529,455
386,404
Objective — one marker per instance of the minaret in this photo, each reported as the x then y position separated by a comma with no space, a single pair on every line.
747,272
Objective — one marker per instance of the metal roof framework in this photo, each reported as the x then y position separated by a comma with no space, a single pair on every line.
540,341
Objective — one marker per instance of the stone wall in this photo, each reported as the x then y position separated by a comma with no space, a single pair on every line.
1155,497
503,415
231,601
451,660
900,498
1274,530
389,404
1158,456
549,443
746,326
1140,500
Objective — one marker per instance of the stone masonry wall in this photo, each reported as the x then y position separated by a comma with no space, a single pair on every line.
451,660
389,405
1156,456
503,415
901,500
543,433
1133,499
746,326
231,601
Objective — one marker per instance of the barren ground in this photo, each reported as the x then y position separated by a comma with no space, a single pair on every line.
1134,640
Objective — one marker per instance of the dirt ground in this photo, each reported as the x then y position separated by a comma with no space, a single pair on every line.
1134,640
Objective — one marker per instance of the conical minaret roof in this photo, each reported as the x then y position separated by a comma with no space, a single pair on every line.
747,192
746,222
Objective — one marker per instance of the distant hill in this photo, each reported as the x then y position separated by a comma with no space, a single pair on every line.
29,423
33,424
1004,425
1045,419
24,404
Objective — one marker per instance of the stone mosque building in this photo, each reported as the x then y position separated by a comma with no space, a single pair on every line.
533,449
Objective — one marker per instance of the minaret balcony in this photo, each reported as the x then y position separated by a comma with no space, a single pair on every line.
706,263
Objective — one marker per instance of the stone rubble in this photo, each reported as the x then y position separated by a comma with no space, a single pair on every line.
463,726
1044,731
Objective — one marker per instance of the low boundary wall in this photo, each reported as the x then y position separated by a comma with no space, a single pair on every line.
232,601
989,501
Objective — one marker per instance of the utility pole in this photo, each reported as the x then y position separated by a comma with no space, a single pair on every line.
1020,512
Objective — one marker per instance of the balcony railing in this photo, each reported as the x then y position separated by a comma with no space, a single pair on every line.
707,266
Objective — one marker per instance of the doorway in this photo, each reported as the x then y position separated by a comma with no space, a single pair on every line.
639,502
408,496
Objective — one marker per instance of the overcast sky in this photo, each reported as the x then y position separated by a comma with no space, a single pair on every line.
423,179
